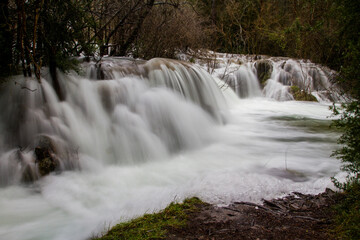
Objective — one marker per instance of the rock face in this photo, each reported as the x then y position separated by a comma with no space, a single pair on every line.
264,69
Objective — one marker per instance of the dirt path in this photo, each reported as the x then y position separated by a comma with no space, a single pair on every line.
297,216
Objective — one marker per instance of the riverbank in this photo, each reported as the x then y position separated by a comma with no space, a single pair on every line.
296,216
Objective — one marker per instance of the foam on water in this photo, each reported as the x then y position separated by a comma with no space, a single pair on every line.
142,145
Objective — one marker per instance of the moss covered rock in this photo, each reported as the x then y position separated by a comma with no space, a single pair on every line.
264,70
301,95
45,156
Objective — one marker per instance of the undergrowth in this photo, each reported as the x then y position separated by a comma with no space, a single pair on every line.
154,226
347,221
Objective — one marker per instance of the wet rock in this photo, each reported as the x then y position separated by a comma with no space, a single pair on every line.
264,69
46,159
301,95
54,154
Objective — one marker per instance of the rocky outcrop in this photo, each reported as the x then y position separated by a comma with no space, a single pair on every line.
264,69
46,158
54,155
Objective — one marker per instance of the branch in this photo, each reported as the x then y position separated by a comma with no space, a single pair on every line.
23,87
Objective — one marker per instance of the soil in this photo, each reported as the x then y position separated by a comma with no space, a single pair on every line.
297,216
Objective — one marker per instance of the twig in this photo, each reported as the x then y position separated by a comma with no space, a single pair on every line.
23,87
274,205
307,218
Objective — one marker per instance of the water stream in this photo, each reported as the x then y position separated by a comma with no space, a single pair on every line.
147,134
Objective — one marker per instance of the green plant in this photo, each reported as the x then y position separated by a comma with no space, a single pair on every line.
349,153
348,214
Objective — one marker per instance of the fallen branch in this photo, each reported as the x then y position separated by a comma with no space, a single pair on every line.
24,87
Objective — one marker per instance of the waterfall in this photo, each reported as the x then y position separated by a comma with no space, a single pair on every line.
131,136
163,106
140,111
272,77
244,82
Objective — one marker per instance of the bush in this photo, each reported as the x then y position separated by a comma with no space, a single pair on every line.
167,30
349,153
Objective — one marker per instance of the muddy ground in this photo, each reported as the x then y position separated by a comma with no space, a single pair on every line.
296,216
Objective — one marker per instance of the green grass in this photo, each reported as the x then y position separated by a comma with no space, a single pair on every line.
154,226
347,221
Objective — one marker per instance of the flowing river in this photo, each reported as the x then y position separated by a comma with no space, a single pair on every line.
145,136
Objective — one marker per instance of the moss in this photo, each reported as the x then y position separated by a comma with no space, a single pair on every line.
347,221
46,166
301,95
154,226
264,77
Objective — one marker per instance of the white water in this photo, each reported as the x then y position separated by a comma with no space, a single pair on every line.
239,72
142,146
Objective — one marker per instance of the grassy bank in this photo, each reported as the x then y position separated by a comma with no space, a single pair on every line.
177,218
156,225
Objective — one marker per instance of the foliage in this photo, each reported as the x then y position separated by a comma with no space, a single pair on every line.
348,214
154,226
168,30
302,29
49,32
41,33
349,153
349,74
64,24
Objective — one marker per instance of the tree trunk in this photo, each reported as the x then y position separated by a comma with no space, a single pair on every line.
23,42
213,12
124,47
54,77
5,39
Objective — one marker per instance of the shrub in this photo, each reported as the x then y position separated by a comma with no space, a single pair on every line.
349,153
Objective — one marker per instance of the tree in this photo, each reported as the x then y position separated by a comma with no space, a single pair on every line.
169,29
6,40
47,33
349,153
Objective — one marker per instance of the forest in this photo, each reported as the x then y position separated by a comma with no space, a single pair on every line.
40,33
52,33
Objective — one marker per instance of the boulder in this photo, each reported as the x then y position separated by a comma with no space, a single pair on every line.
45,153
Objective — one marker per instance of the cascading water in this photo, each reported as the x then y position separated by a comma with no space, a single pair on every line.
272,77
132,136
244,82
122,120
